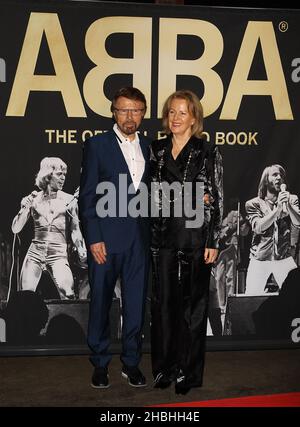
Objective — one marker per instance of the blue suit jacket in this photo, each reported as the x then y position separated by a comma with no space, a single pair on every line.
103,160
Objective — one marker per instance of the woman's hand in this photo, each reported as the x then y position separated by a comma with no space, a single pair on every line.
210,255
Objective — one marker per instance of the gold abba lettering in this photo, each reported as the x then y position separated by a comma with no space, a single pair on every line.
64,80
139,66
274,85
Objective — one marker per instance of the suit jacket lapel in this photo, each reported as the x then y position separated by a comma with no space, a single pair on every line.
196,165
146,153
173,168
169,160
120,158
196,161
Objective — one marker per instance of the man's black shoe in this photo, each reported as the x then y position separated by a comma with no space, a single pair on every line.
134,376
100,378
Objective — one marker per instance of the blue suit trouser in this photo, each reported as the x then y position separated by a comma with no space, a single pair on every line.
132,266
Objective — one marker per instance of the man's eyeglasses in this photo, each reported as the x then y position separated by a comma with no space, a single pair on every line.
133,111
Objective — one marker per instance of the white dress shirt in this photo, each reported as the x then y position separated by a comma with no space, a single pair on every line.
133,155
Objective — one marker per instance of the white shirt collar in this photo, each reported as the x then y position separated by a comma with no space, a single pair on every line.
123,138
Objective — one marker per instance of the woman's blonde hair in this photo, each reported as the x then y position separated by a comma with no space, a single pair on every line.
194,106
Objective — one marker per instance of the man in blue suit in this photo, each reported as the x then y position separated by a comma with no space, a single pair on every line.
118,244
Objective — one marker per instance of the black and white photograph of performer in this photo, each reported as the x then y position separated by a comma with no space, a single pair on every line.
5,265
226,269
272,214
56,226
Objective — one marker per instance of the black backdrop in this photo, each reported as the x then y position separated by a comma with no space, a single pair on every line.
164,44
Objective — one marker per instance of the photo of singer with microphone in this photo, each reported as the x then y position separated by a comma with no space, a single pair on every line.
272,215
56,223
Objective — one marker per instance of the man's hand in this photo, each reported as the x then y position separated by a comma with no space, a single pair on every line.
27,201
210,255
283,198
99,252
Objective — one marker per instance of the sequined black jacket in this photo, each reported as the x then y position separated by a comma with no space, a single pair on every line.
199,161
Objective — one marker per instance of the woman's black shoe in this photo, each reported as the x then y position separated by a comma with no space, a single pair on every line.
162,381
182,388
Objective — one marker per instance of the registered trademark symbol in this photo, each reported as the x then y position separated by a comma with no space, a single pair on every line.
283,26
